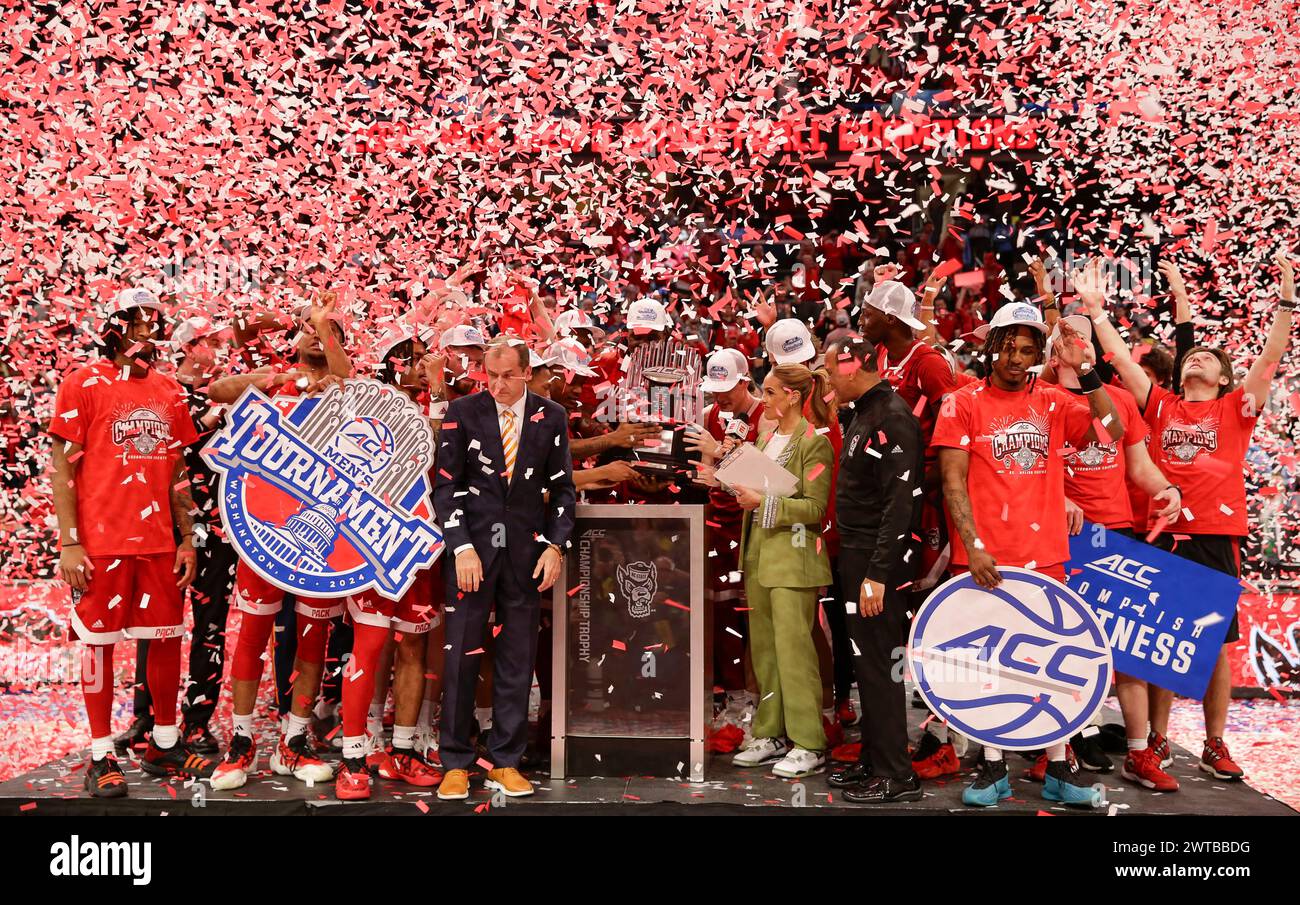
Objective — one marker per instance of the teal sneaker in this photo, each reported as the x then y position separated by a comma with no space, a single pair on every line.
1063,783
992,786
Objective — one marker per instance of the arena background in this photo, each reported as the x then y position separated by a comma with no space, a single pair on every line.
231,154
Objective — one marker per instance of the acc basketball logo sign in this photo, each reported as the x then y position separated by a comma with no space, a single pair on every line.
1020,667
328,494
639,581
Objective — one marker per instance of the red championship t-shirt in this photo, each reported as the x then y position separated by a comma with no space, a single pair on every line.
1201,447
1095,474
1016,482
132,430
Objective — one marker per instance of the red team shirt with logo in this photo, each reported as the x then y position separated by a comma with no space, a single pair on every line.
1016,480
1201,447
921,374
132,431
1094,475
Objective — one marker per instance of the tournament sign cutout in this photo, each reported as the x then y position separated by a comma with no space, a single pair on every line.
1019,667
328,494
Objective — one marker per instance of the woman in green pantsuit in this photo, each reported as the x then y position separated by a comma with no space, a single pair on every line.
785,563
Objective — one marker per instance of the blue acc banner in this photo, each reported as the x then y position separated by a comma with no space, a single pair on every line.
1164,616
328,495
1020,666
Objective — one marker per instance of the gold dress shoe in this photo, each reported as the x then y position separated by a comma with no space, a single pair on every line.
454,785
510,781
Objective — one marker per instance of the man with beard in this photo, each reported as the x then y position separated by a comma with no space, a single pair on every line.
1199,440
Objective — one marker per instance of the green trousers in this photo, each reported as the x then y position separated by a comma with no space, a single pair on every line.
785,664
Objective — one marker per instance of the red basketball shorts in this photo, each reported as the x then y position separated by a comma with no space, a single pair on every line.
254,594
415,613
129,597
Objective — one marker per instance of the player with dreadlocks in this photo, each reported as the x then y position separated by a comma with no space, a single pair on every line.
1000,445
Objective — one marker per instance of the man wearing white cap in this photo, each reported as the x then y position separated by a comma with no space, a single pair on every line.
463,346
120,491
578,324
921,378
999,447
734,414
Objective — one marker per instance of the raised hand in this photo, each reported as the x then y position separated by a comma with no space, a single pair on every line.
1092,285
1287,270
1174,277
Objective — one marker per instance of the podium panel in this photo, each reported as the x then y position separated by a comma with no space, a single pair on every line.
633,684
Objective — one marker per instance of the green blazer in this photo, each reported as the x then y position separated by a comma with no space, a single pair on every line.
787,558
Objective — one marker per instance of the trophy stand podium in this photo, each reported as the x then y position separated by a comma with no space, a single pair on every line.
633,664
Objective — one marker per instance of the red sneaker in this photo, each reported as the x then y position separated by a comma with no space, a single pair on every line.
353,780
1038,772
934,758
1160,745
845,713
1216,761
725,740
409,767
1143,768
834,732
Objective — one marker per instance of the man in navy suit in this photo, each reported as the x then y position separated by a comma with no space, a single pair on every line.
505,496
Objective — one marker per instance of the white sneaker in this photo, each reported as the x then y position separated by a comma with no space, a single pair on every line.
759,751
800,762
426,741
295,757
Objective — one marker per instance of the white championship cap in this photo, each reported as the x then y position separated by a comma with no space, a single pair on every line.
135,297
742,362
193,329
892,297
575,319
720,372
1013,313
789,342
462,335
647,314
390,340
538,361
571,355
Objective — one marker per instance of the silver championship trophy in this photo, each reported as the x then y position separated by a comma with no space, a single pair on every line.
662,386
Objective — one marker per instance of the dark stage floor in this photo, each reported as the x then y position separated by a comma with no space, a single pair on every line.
56,789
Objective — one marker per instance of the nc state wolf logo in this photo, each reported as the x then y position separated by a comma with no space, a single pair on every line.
329,495
1185,441
1276,664
1023,441
639,581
